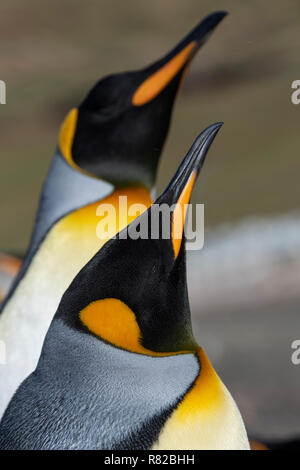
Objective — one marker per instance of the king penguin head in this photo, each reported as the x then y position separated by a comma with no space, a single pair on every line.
133,293
118,131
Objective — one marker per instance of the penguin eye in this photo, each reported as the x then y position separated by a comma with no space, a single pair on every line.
102,113
109,110
106,110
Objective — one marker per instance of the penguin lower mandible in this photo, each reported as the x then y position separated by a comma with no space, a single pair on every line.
108,147
120,368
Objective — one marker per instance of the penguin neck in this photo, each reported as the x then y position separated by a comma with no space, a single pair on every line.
66,232
119,390
67,207
67,191
157,403
64,191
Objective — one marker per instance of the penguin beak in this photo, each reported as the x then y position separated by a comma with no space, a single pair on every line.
178,192
161,73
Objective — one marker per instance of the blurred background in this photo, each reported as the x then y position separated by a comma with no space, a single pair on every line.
245,284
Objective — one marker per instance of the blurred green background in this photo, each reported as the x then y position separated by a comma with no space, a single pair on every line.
246,308
51,53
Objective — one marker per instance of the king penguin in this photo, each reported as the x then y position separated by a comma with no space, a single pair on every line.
120,368
108,147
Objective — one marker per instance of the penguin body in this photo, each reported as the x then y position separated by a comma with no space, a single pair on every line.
73,239
120,368
108,146
138,402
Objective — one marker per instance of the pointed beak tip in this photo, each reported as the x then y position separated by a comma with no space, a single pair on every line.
203,143
188,171
218,16
217,126
208,134
206,26
222,13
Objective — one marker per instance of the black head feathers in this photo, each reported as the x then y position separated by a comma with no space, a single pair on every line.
138,279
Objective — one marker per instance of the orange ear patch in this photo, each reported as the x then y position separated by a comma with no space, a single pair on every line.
66,136
154,84
113,321
179,213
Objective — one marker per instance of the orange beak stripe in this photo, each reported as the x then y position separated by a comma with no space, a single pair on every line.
179,213
154,84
